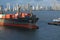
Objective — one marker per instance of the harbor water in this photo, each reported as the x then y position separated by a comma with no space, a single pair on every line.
45,31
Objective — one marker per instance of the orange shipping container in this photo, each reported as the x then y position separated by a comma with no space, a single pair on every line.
3,17
13,16
7,16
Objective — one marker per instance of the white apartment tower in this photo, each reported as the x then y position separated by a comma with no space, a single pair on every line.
8,6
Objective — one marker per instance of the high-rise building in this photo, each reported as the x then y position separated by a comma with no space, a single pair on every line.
8,6
37,7
33,7
1,7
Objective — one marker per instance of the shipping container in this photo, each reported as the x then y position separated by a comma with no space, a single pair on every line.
13,16
3,17
8,16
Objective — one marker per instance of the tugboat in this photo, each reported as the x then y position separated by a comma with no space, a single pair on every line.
55,22
19,19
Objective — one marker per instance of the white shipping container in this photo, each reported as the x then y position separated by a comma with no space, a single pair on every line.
1,15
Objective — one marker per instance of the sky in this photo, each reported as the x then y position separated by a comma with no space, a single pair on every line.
33,2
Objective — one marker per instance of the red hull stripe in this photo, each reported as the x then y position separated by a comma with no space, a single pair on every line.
19,25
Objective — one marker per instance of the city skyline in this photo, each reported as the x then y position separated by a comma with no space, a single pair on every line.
33,2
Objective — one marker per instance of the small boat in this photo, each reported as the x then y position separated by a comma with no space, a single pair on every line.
19,19
55,22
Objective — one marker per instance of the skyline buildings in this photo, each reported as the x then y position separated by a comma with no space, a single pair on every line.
28,6
36,4
32,2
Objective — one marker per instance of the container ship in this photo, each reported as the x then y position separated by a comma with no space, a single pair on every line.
19,19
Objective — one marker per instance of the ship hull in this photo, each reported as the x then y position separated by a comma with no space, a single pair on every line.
12,23
54,23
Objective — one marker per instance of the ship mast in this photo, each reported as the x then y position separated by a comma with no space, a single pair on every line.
18,9
31,10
